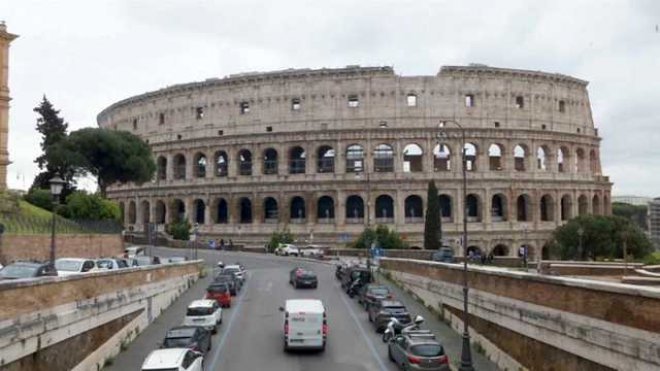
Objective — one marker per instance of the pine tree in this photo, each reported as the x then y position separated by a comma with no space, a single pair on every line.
432,227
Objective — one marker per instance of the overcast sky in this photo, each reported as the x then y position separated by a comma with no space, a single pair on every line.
86,54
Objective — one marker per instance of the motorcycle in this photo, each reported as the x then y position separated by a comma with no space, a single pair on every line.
353,289
394,327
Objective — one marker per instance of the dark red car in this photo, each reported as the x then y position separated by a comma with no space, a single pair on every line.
219,292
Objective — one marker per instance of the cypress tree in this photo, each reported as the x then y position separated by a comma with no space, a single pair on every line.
432,227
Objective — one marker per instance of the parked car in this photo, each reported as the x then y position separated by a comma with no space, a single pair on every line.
219,291
111,263
381,312
220,264
286,249
311,251
133,251
303,278
74,266
305,324
372,293
27,269
352,273
177,259
178,359
418,352
235,269
144,260
204,313
231,280
340,270
191,337
444,254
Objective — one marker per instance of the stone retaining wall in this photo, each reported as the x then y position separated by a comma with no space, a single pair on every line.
37,247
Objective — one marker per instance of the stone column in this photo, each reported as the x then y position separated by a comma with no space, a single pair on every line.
340,208
340,158
257,161
310,208
310,160
190,210
257,209
169,168
399,209
233,162
427,156
397,148
282,160
5,39
207,210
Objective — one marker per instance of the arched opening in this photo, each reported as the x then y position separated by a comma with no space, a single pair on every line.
606,205
161,212
325,210
297,160
412,158
178,213
595,204
270,161
495,157
245,163
566,207
583,205
445,208
325,162
523,208
474,252
519,156
297,210
245,208
414,209
498,208
354,209
200,165
441,157
473,208
541,160
161,165
561,159
131,213
501,250
547,208
221,211
179,167
145,210
200,210
271,213
593,162
384,209
580,161
221,164
122,212
383,158
354,158
470,157
545,252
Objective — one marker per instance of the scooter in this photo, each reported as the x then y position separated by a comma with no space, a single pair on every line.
394,327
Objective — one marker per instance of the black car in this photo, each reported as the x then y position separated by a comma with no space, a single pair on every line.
26,269
445,255
355,273
195,338
231,281
381,312
339,271
372,293
299,277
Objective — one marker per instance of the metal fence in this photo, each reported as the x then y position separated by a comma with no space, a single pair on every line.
20,224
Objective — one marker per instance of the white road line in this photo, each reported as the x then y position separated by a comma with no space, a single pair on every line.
372,348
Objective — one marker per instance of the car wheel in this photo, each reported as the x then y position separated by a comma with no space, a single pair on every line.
389,354
370,319
286,347
215,329
315,285
209,346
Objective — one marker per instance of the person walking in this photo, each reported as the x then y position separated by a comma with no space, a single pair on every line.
222,244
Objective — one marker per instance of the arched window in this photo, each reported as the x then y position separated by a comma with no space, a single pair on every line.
221,211
200,209
245,163
162,168
245,210
146,212
325,162
541,158
325,210
221,163
384,209
200,165
354,159
414,209
547,208
161,212
179,167
383,158
270,161
470,157
520,155
271,214
473,208
593,162
566,207
441,157
297,160
501,250
354,209
412,158
580,161
495,157
561,159
131,213
445,208
583,205
498,208
297,210
523,210
595,204
178,213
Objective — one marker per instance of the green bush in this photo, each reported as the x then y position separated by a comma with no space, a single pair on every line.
278,238
652,259
179,230
81,205
383,236
40,198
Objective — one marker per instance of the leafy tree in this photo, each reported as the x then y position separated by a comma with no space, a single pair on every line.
635,213
111,156
40,198
602,237
180,230
278,238
432,226
383,236
81,205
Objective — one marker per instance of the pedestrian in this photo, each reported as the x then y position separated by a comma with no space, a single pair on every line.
212,244
222,244
490,258
231,245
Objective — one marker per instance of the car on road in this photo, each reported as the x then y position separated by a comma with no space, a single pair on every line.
311,251
287,249
177,259
340,270
444,254
372,293
220,264
299,277
177,359
27,269
111,263
418,352
305,324
144,260
231,280
191,337
219,291
204,313
235,269
381,312
75,266
355,273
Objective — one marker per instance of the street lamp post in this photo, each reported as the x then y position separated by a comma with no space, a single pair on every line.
56,185
466,354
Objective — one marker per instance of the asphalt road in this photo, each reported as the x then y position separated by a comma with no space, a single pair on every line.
250,337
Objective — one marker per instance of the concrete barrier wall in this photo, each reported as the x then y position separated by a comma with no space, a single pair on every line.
542,322
111,308
565,268
37,247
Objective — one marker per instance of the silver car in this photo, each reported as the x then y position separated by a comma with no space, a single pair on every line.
418,352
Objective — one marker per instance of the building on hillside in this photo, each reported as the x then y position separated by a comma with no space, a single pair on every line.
632,200
5,39
326,152
654,222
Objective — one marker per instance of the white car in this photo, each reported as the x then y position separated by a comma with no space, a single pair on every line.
173,359
237,270
204,313
111,263
286,249
305,324
74,266
311,251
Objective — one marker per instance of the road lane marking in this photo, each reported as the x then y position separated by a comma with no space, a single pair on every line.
372,348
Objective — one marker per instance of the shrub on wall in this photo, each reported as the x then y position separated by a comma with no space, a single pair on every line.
179,230
279,237
383,236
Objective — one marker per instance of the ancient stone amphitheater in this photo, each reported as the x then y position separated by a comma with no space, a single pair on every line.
327,152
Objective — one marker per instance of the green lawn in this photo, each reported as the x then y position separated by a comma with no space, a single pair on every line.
34,220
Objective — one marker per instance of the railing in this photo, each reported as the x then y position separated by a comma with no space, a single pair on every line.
384,220
326,165
179,172
270,167
245,168
297,166
19,224
354,166
384,165
221,170
298,220
354,220
414,219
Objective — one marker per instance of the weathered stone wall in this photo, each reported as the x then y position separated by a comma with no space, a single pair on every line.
37,247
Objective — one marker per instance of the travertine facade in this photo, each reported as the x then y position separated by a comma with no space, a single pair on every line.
325,152
5,39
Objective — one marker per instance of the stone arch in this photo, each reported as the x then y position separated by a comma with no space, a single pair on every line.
179,166
354,207
297,209
500,250
132,214
161,212
445,207
498,208
414,208
270,164
580,160
547,208
245,162
145,210
473,207
523,208
441,157
161,168
383,158
245,210
566,207
200,165
221,211
221,164
495,151
297,160
595,205
325,208
593,162
178,211
271,211
520,153
413,156
325,159
384,207
563,156
470,151
583,205
354,158
199,208
542,158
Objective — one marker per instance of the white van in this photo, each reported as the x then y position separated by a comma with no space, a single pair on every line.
305,324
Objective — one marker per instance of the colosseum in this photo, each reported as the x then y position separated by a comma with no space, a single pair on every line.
326,152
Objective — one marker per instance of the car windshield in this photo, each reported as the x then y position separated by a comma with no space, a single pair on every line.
197,311
68,265
427,350
176,342
18,271
104,264
231,270
308,274
381,291
217,288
